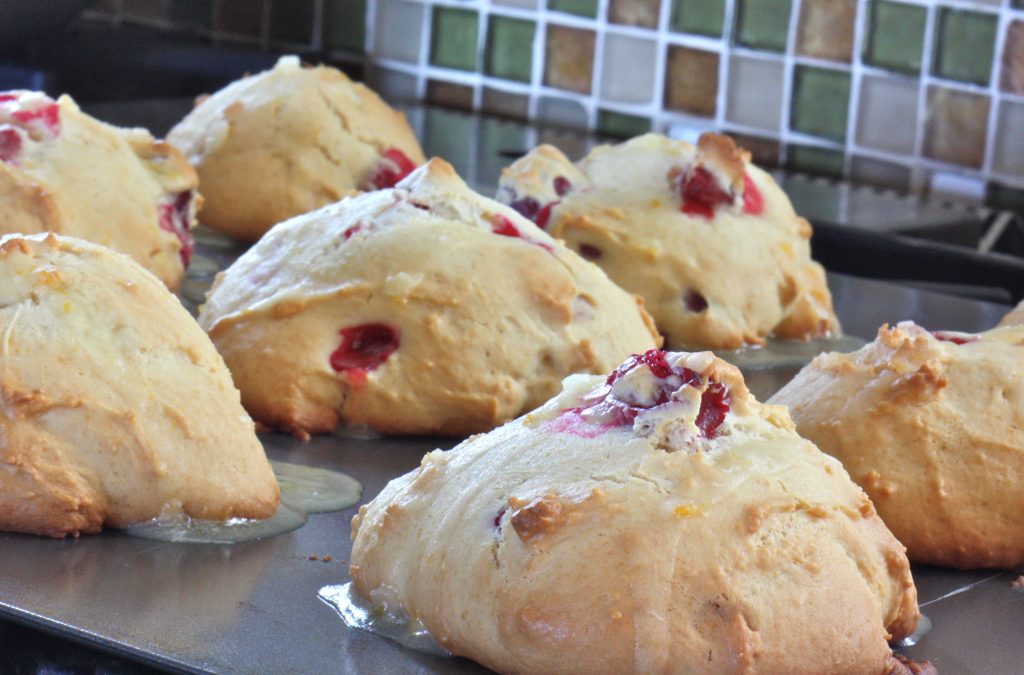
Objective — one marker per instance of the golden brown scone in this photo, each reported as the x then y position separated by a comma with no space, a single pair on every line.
1015,317
932,426
707,239
420,309
115,405
660,520
63,171
290,140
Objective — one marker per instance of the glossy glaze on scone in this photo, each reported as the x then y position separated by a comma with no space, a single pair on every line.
659,520
290,140
932,426
707,239
421,309
63,171
115,406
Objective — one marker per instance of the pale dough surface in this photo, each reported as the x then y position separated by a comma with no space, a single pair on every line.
933,431
559,543
115,407
285,142
623,209
487,324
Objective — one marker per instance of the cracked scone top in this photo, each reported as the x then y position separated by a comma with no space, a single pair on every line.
705,237
290,140
63,171
657,520
420,309
114,406
932,426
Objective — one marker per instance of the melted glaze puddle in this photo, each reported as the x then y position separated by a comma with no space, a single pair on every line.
924,626
776,353
304,490
356,612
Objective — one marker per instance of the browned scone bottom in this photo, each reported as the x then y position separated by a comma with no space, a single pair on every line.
63,171
288,141
115,406
416,310
932,427
664,521
707,239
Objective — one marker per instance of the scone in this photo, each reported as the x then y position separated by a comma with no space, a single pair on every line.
707,239
115,406
658,520
420,309
932,426
290,140
63,171
1015,317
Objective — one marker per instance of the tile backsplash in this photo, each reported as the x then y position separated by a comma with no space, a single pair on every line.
918,95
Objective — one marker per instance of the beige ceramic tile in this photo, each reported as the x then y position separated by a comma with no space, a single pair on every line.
1012,72
691,80
826,29
956,126
642,13
569,58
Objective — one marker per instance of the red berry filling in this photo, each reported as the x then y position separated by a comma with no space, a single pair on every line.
562,186
590,252
175,216
349,232
530,208
753,202
506,228
46,116
701,193
395,166
364,348
610,411
955,337
10,144
694,301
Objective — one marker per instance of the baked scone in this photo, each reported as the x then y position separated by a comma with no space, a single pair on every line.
420,309
660,520
115,405
63,171
932,426
1015,317
290,140
705,237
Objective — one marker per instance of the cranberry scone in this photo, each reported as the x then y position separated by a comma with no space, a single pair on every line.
66,172
288,141
115,406
931,425
420,309
656,520
705,237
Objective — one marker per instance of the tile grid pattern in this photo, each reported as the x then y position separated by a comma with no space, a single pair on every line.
801,129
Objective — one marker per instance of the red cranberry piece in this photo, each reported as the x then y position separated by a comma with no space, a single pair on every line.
652,358
694,301
8,96
544,215
10,144
507,228
590,252
394,167
954,337
174,217
349,232
527,206
497,518
714,404
753,202
48,114
701,193
562,186
364,347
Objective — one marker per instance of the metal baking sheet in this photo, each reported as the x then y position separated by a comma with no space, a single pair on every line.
253,607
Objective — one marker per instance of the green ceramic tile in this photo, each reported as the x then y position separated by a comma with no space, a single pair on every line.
1005,197
345,25
510,48
586,8
820,102
620,125
819,161
896,36
453,38
965,46
292,21
451,135
703,17
763,24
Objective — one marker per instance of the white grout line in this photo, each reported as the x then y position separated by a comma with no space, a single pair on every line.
860,22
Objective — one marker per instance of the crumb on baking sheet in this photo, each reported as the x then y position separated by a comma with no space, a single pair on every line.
1018,583
319,558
